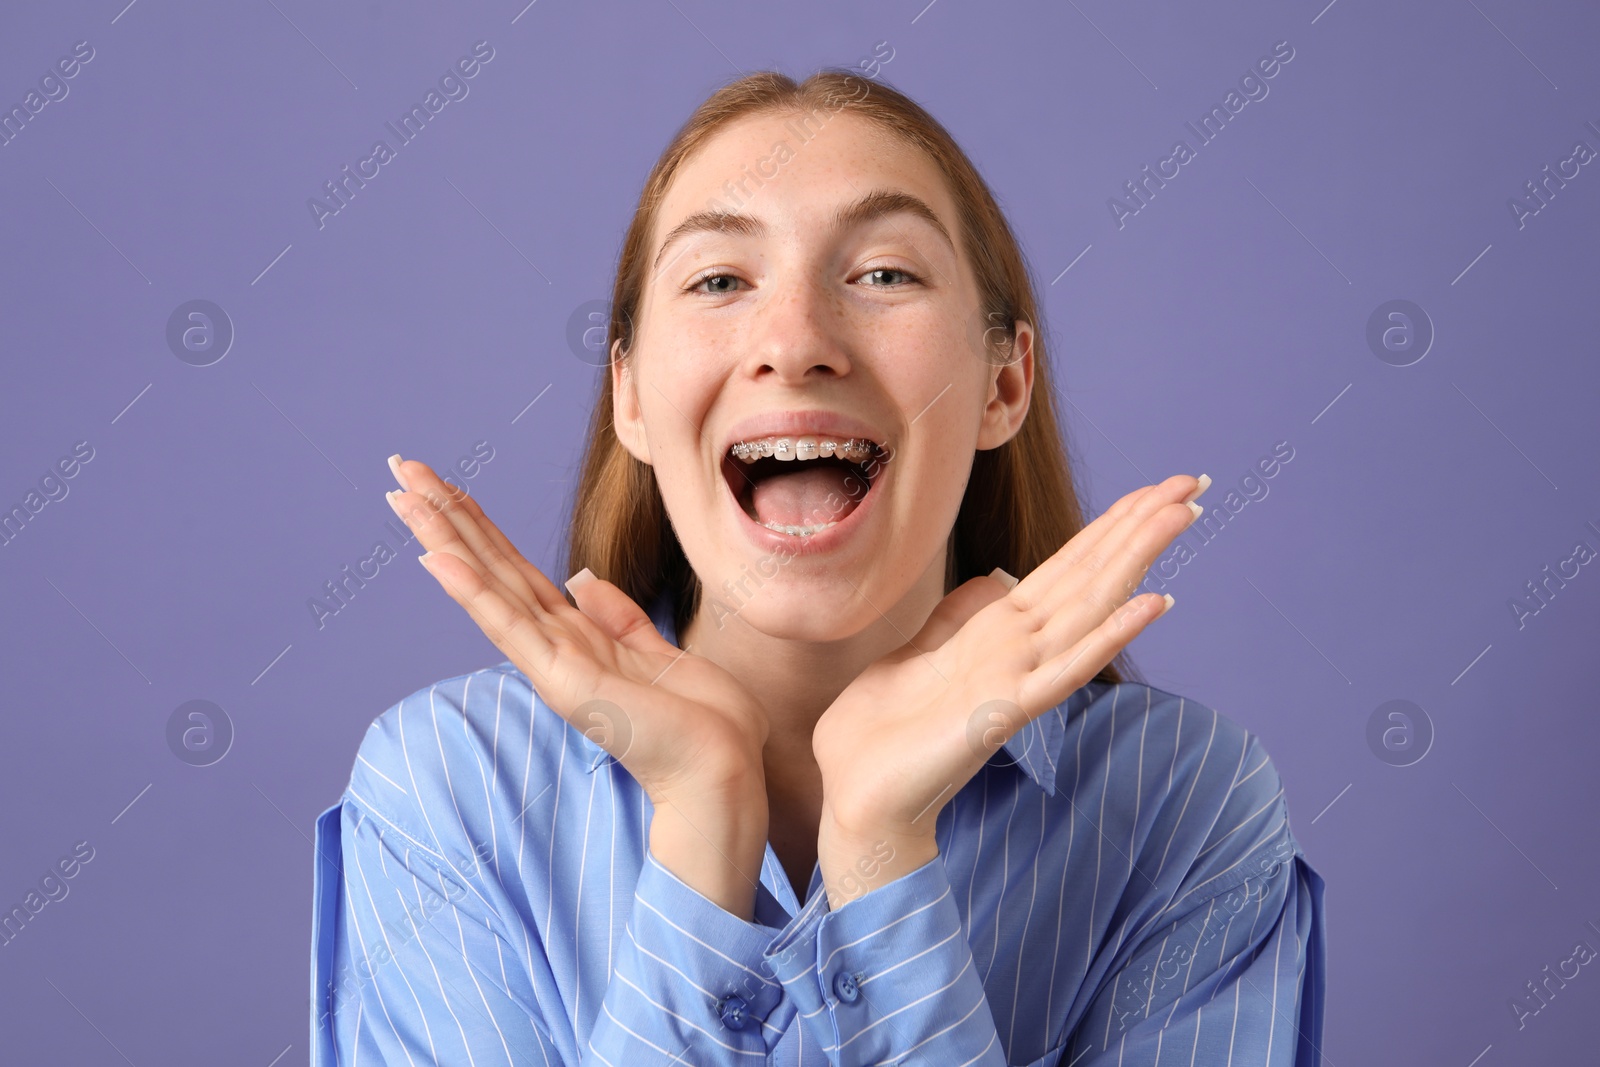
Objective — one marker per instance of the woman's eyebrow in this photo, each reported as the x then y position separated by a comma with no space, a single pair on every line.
874,205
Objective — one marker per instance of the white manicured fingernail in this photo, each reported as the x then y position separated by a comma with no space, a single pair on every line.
394,468
1168,598
583,576
1005,579
423,559
1196,509
1205,483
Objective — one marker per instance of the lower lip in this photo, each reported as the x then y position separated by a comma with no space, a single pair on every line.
818,543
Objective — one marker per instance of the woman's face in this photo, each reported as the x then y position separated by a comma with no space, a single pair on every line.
809,298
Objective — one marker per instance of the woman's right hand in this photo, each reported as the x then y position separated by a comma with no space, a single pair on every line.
687,731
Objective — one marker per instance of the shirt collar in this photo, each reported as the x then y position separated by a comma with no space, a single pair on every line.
1035,749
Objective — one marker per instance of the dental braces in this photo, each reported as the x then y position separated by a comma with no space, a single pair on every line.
854,449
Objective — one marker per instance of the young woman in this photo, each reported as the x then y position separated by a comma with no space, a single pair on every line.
806,776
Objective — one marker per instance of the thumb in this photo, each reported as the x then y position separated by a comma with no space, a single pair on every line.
616,613
962,603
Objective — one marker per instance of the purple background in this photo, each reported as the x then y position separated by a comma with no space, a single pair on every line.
1228,315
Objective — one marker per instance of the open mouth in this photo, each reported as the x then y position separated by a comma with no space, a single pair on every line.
800,486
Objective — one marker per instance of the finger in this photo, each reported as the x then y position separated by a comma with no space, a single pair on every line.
1060,676
1125,554
423,514
1046,574
550,649
1086,540
447,519
515,632
548,595
617,614
1106,580
1072,567
959,605
438,507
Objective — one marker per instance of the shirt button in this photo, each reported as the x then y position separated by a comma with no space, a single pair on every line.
732,1010
844,986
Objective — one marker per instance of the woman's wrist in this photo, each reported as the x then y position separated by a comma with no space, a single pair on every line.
715,843
859,856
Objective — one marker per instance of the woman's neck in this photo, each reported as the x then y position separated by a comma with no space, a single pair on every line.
796,681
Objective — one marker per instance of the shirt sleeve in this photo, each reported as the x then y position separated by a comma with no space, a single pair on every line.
410,965
1236,977
889,977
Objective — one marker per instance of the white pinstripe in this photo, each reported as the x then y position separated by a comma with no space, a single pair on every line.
690,1023
1005,881
577,915
380,774
381,1002
444,996
688,980
488,1010
1061,893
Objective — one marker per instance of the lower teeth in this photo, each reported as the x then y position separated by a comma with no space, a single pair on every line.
798,531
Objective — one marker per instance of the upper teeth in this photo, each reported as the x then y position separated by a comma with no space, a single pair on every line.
854,449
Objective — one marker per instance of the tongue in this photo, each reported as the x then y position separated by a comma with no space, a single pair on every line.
815,493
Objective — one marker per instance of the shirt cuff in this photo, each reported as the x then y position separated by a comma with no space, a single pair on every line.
887,973
692,977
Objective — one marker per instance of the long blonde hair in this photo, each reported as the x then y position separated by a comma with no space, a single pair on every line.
1020,505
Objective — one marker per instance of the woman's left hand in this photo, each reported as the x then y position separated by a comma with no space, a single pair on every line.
913,728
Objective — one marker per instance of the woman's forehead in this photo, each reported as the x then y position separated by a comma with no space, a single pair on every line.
794,170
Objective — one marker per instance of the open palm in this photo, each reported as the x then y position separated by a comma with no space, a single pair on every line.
674,721
915,726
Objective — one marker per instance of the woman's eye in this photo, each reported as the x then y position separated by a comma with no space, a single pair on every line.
695,286
878,272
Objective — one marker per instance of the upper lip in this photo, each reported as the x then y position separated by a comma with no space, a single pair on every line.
810,423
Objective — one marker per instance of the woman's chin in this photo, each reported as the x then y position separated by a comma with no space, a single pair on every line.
830,609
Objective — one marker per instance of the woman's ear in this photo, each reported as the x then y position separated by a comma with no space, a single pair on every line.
1010,387
625,416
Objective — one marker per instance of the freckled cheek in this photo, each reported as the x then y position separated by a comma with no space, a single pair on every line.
945,465
673,405
921,349
686,361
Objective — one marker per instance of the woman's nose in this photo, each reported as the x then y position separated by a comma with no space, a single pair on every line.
798,330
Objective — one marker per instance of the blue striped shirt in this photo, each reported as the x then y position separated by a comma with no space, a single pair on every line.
1117,886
